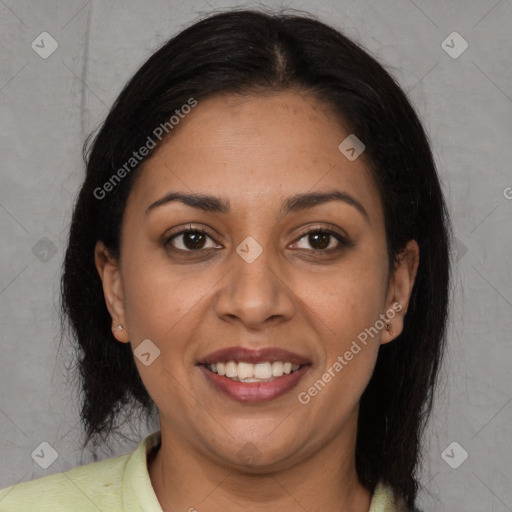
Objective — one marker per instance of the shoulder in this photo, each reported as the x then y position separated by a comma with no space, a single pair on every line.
112,485
384,499
84,488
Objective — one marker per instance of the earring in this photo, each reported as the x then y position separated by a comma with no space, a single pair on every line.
388,328
118,328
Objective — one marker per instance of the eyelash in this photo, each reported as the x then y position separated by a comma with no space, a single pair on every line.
343,241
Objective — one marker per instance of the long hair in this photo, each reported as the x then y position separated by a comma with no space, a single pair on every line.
252,52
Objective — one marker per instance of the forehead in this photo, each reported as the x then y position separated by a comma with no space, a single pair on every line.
256,149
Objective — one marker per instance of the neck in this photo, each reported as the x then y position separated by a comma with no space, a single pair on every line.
185,479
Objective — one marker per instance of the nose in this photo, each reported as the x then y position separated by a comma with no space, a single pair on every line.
255,294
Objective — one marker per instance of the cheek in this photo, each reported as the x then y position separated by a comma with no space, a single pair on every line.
160,298
345,308
346,300
165,306
348,353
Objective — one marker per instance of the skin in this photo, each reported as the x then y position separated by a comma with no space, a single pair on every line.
255,151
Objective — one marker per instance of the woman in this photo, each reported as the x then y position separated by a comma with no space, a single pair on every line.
260,251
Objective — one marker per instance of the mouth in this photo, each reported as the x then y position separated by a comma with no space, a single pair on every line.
253,375
248,372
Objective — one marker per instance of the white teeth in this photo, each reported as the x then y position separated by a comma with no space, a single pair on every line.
231,369
262,371
248,372
245,371
277,369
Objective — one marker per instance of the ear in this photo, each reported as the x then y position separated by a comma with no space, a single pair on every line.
399,290
108,269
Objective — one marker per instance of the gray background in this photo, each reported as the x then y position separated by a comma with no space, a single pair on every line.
48,106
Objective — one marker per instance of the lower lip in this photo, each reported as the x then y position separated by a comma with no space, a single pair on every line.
255,391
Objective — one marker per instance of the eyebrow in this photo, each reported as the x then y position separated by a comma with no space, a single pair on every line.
293,204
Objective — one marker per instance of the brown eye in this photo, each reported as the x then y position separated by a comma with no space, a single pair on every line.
319,240
322,240
190,240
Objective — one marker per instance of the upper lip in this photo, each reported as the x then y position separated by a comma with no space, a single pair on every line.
247,355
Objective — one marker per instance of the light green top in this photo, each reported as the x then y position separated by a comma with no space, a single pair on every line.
119,484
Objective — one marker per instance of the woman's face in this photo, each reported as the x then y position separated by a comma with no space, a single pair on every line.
255,279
